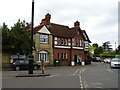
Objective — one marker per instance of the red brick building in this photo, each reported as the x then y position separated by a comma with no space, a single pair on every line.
69,45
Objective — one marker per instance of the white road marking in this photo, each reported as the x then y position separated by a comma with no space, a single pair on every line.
76,71
80,78
81,83
108,69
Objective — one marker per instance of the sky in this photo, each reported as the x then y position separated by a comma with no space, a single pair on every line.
98,17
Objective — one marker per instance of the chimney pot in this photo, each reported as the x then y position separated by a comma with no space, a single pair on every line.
77,24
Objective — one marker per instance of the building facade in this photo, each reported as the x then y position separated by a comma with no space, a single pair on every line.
59,42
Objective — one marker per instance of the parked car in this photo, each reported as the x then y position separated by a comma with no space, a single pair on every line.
115,62
23,64
107,60
96,59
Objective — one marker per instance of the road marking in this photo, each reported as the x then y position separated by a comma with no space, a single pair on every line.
81,83
108,69
80,78
76,71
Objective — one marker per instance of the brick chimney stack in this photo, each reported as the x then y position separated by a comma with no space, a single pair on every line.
46,20
77,24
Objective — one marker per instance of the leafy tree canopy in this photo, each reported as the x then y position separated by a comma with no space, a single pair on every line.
16,39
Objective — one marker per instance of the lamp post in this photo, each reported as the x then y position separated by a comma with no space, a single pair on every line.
115,48
31,46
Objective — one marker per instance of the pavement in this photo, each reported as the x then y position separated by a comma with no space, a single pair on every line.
24,74
33,75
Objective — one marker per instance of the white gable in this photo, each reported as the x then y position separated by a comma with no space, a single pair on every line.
44,30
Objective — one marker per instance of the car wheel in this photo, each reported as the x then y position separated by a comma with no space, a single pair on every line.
17,68
35,67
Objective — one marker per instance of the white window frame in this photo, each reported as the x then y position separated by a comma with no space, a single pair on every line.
63,41
58,41
43,55
66,41
80,42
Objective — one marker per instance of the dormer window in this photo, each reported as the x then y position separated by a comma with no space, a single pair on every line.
43,38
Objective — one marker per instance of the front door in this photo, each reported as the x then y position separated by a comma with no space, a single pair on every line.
75,59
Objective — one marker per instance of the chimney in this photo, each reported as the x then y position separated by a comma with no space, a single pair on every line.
77,24
47,18
43,22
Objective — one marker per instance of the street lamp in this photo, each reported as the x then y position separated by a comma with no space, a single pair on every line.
31,46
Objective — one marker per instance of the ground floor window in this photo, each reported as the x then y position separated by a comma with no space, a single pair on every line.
62,56
44,55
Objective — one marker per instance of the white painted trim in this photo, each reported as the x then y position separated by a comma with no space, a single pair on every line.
55,42
69,43
44,30
43,52
77,47
55,38
62,47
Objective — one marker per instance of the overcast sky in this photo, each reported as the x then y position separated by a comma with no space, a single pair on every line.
98,17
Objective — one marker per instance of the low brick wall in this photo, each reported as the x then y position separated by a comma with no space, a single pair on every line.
6,60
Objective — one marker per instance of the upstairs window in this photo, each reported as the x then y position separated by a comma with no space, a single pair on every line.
78,42
62,41
66,42
58,41
75,42
43,38
81,42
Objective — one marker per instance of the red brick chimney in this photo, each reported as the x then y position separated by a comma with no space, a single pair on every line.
77,24
46,20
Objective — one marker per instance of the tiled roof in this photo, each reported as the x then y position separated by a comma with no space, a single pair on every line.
61,30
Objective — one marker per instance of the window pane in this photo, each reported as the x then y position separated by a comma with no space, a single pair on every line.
58,41
43,38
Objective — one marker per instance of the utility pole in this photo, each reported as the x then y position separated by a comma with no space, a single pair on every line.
31,46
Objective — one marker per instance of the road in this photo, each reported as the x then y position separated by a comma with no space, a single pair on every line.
97,75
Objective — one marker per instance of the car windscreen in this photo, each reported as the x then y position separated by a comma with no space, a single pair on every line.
116,60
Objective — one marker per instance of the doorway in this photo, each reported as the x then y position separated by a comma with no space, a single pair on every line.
77,59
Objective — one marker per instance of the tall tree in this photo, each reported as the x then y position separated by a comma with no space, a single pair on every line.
18,38
5,37
106,46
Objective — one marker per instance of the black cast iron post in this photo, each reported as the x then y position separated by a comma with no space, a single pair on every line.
31,46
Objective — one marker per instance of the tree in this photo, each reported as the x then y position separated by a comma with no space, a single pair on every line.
98,49
118,50
5,37
106,46
17,40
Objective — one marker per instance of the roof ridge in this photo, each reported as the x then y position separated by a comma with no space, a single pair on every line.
60,24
